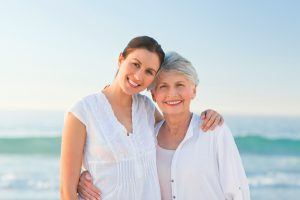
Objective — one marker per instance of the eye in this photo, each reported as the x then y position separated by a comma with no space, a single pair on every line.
162,86
137,65
149,72
180,85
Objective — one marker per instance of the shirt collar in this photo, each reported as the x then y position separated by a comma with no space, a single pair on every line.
194,127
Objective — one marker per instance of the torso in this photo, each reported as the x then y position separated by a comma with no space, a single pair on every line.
192,167
122,167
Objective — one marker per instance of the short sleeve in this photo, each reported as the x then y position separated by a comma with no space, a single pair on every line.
79,111
232,174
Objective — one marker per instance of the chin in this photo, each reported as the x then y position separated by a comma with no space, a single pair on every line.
172,111
131,91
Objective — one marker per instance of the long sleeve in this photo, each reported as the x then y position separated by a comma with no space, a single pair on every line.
233,179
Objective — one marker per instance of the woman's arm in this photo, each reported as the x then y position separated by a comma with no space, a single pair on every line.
231,171
73,140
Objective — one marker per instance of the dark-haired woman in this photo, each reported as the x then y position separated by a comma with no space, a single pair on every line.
112,132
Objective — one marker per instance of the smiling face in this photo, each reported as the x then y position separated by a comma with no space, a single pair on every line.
137,70
173,92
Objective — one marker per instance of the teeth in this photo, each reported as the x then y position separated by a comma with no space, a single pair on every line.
173,102
132,83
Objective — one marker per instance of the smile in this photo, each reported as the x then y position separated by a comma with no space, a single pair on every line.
132,84
173,102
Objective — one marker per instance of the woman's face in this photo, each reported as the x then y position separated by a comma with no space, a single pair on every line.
173,92
137,70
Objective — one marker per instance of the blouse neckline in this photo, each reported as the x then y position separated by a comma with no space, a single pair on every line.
115,119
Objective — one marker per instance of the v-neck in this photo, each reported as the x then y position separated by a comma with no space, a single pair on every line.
115,119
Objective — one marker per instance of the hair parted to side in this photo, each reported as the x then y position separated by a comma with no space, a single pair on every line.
175,62
144,42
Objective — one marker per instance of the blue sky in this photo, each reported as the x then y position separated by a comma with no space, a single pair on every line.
246,52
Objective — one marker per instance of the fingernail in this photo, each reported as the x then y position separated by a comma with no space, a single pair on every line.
88,177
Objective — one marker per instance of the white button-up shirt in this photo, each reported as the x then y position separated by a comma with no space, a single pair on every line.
206,166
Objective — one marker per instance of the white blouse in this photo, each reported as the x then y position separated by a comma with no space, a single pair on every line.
205,166
122,167
164,160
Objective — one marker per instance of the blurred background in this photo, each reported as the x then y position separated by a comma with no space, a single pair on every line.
246,54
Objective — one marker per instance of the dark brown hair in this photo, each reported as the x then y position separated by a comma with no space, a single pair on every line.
144,42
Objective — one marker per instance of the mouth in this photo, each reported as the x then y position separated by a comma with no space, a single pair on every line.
132,83
173,103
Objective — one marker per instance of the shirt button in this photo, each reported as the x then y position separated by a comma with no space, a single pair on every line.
174,197
172,180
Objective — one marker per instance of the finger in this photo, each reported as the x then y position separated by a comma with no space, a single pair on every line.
83,193
85,181
88,186
210,121
91,189
221,121
86,176
203,115
209,114
215,124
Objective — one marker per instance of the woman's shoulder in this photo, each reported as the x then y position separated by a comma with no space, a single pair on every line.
218,131
90,98
141,97
144,100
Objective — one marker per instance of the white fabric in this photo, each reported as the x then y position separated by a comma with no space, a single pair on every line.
207,166
163,160
123,167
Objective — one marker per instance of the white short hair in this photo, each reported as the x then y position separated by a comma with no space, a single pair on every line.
176,63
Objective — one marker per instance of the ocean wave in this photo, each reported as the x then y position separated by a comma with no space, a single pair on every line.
246,144
275,179
30,145
264,145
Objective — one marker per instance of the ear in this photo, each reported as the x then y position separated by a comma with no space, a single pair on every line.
121,59
153,95
194,92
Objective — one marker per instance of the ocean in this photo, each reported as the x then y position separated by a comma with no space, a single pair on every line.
30,148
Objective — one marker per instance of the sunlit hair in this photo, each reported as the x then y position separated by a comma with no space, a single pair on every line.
176,63
144,42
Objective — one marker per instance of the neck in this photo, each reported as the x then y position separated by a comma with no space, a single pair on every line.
177,124
115,94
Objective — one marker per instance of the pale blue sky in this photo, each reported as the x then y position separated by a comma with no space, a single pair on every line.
247,53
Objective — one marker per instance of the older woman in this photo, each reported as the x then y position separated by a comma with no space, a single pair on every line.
192,165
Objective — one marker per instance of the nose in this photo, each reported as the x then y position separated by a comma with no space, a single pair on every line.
172,92
139,75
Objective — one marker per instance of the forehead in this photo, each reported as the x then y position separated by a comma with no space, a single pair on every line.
146,57
171,76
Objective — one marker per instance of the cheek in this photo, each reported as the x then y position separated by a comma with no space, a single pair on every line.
187,94
158,96
148,79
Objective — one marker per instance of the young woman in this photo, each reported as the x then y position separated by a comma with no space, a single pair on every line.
111,132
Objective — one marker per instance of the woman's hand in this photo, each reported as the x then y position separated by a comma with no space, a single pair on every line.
86,189
211,119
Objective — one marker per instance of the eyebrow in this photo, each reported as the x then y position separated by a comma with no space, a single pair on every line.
167,83
137,60
147,68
